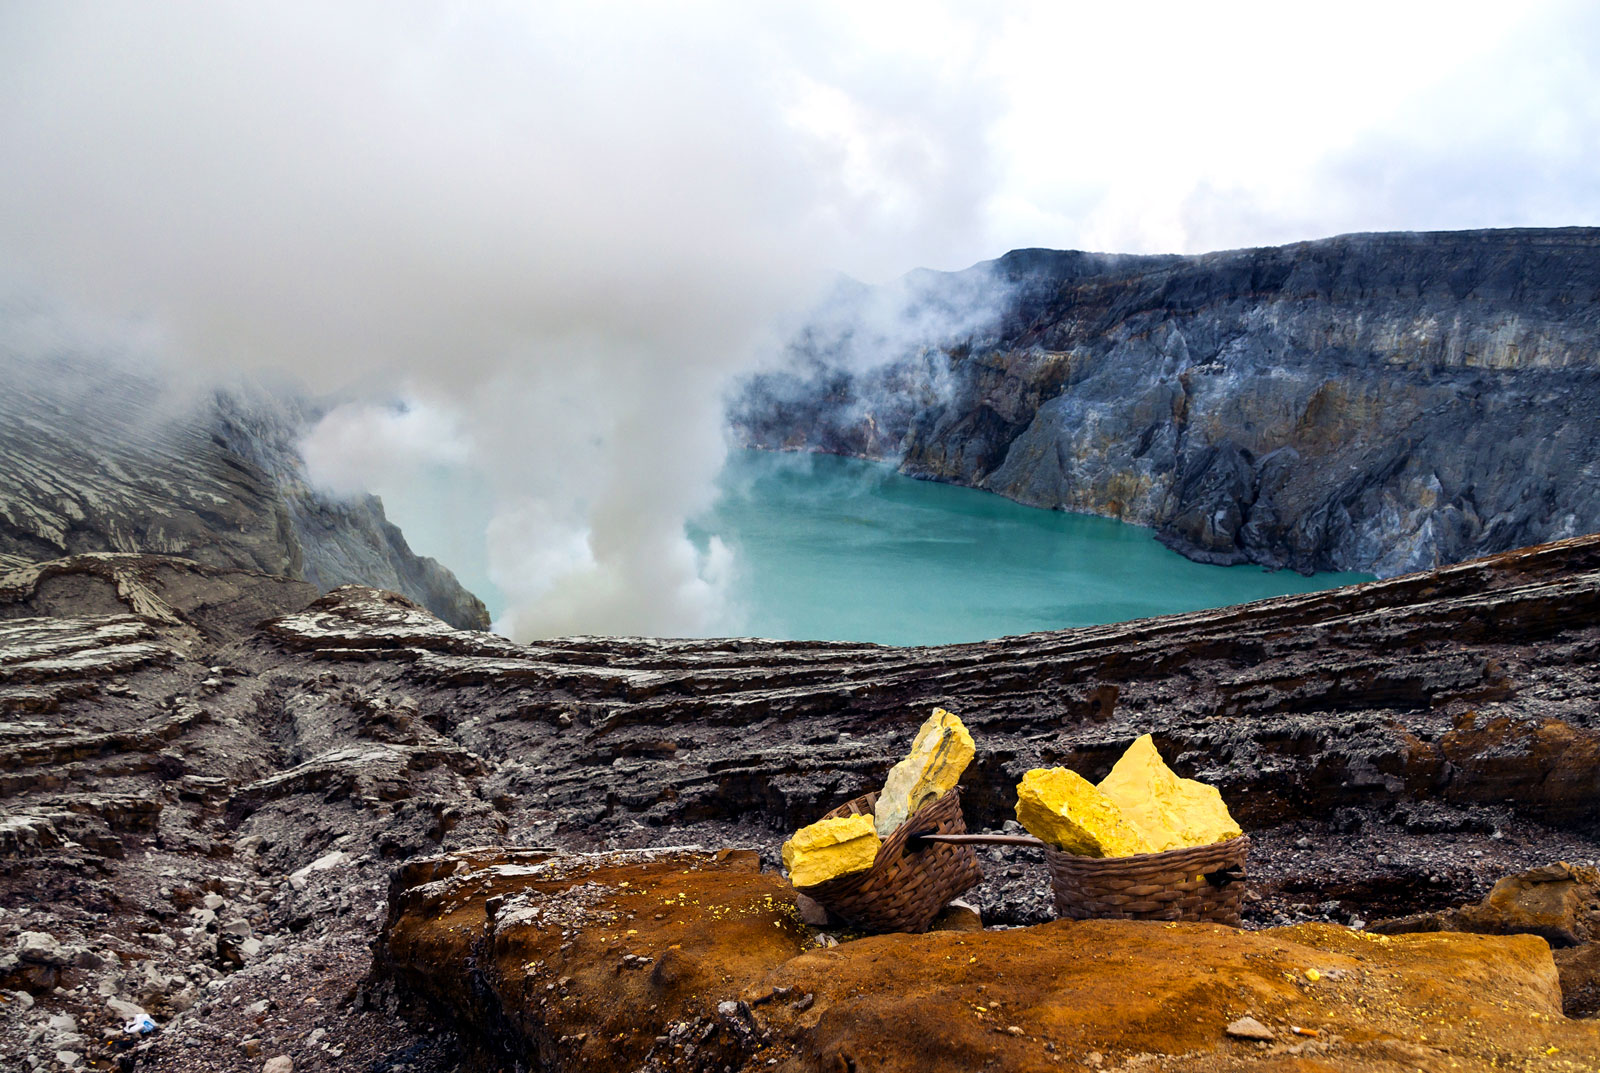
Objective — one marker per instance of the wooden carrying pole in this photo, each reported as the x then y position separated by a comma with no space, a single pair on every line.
981,840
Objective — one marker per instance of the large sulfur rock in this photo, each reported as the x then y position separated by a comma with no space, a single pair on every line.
829,849
1066,810
1169,811
939,754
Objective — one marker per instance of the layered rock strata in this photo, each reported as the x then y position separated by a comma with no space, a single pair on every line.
96,456
195,806
1381,402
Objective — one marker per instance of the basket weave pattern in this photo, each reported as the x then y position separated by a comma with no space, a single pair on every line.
1150,886
904,891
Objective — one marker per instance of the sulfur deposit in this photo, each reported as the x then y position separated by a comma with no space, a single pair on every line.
1143,806
1169,811
939,754
830,848
1066,810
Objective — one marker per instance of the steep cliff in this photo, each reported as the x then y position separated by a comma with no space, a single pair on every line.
1380,402
97,456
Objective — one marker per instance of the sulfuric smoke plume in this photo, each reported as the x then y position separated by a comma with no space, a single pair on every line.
558,230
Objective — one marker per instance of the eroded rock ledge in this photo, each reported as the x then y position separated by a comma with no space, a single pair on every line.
686,960
202,813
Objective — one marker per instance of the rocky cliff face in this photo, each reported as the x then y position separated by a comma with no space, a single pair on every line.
216,797
1384,402
96,457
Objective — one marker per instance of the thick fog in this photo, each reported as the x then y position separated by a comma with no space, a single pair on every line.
534,242
551,232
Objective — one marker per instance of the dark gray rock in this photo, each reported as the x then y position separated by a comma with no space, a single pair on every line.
98,457
1383,402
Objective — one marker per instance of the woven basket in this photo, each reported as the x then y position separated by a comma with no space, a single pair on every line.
904,890
1196,883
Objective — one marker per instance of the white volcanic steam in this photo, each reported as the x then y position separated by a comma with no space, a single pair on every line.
562,228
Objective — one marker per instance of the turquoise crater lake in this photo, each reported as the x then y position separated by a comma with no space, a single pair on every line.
839,549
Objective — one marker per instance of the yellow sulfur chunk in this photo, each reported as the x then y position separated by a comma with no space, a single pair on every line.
939,755
1064,809
830,848
1169,811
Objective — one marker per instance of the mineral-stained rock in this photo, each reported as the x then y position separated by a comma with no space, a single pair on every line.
531,949
1558,902
940,752
1066,810
829,849
1170,812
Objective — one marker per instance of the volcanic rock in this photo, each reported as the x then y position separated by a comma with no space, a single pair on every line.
96,456
1250,1028
1393,748
1377,402
1557,902
539,973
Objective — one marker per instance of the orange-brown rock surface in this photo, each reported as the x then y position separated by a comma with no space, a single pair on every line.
1558,902
692,960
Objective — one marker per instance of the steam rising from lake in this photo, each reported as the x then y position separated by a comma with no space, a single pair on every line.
537,241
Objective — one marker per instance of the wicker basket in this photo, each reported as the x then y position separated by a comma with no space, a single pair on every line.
905,889
1196,883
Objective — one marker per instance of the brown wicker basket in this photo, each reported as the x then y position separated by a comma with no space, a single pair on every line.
906,887
1196,883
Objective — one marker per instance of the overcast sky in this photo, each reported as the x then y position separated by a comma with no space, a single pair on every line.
559,229
930,133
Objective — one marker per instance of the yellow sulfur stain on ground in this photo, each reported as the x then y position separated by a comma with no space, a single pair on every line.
1169,811
1066,810
830,848
939,755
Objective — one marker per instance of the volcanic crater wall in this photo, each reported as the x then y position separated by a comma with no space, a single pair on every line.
1377,402
95,457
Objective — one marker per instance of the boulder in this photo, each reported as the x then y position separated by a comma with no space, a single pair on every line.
940,752
1068,811
1169,811
1559,902
738,983
828,849
42,948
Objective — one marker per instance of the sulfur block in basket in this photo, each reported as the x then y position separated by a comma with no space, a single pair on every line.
1066,810
939,754
830,848
1171,812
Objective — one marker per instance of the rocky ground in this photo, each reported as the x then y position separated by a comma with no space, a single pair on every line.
211,780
